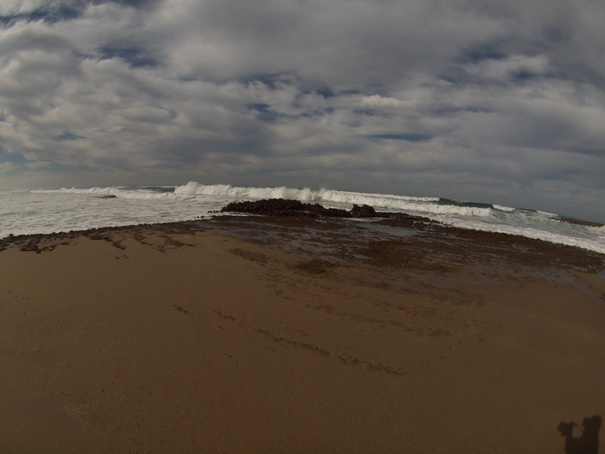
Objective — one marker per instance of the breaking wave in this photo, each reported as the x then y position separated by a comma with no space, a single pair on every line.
44,211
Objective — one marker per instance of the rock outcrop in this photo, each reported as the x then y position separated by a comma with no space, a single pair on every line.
283,207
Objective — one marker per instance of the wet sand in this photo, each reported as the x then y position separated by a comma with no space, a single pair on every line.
250,334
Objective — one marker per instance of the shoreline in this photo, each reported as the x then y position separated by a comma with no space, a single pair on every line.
400,225
395,221
295,208
296,334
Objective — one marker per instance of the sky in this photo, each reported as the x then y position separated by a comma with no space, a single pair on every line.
478,100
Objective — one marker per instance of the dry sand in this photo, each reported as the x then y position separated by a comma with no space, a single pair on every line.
290,335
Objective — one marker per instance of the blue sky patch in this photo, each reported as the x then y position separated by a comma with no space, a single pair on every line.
270,80
52,15
479,52
134,56
405,137
264,112
13,158
67,136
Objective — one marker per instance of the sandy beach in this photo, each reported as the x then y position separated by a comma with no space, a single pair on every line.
264,334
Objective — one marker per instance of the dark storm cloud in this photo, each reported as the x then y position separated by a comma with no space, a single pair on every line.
464,98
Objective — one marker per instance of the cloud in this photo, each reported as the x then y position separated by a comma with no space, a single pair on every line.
465,96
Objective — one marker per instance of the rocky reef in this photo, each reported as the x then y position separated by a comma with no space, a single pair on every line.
283,207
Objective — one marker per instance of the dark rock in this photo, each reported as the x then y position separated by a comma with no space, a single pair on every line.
328,212
283,207
407,220
269,207
363,211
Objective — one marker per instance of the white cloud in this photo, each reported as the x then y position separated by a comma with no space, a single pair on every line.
284,89
377,101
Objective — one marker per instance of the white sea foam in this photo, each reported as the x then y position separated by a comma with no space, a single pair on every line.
121,191
379,201
503,208
64,209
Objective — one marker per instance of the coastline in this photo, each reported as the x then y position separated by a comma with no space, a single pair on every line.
296,334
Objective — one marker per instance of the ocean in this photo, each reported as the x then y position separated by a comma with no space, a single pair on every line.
65,209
